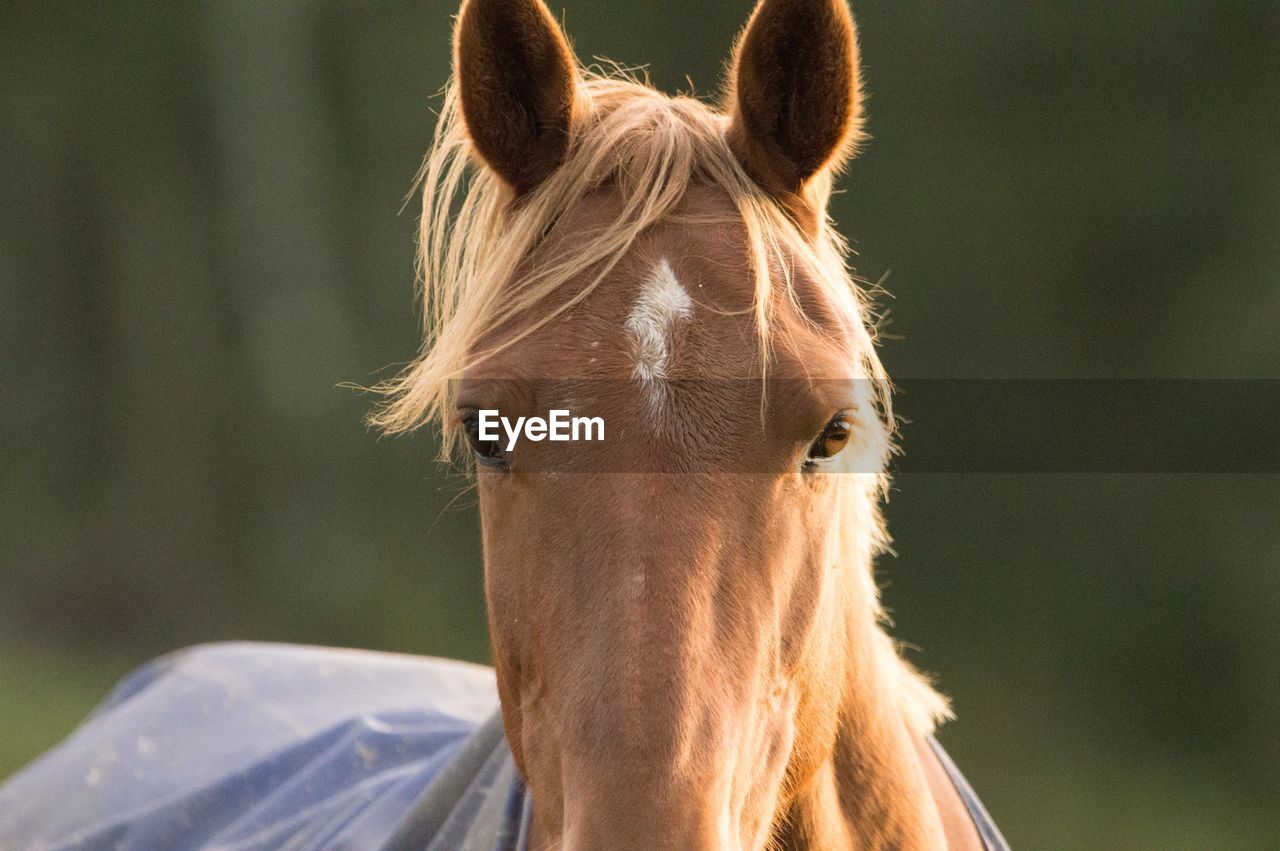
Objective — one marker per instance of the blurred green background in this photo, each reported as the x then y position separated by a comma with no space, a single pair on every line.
202,237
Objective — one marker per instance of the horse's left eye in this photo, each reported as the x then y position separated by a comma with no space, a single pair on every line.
487,452
834,438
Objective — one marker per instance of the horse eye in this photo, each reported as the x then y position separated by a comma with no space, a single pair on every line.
834,437
487,452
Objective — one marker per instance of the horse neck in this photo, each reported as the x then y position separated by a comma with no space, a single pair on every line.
871,791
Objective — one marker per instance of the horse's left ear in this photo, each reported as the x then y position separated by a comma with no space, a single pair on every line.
517,83
794,96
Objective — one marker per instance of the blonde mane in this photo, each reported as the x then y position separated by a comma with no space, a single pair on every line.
650,147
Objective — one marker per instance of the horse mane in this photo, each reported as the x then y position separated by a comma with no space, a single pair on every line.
475,234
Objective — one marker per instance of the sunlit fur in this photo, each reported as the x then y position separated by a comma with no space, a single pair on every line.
651,147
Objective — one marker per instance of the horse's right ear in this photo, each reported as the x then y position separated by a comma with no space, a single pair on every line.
517,82
794,94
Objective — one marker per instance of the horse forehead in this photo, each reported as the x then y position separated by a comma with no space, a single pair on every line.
683,310
680,304
657,314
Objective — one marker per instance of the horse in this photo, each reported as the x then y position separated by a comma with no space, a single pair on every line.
688,644
684,620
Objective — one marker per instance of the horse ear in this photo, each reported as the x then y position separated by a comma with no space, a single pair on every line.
794,97
517,85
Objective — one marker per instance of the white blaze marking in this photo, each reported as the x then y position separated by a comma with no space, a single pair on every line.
662,304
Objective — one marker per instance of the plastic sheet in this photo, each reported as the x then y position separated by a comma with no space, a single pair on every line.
272,746
259,746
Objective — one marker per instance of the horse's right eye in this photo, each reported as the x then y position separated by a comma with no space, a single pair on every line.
487,452
833,439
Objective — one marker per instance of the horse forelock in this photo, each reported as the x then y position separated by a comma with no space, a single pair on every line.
484,259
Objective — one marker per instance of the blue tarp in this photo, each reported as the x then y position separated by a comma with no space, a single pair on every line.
273,746
261,746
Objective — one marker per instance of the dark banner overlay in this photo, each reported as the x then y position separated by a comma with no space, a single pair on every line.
944,425
1088,426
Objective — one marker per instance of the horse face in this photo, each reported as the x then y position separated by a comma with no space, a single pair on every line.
669,605
663,601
